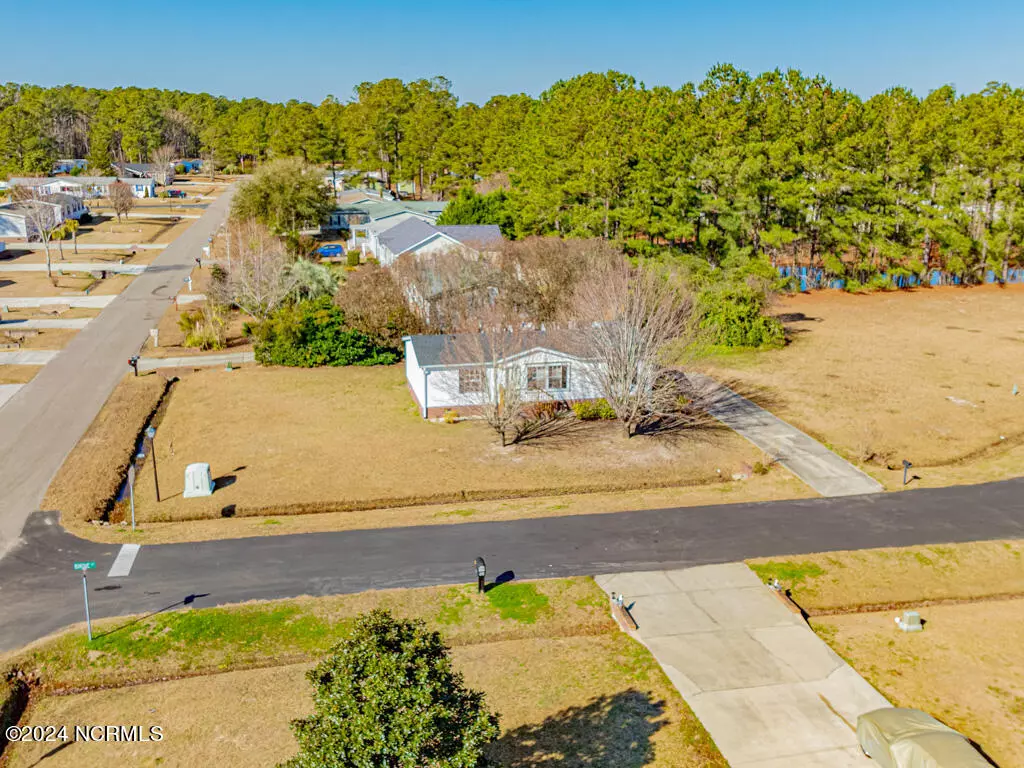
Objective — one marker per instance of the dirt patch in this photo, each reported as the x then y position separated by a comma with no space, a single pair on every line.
282,441
965,668
87,482
926,376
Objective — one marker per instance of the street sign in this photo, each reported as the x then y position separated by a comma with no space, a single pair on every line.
85,566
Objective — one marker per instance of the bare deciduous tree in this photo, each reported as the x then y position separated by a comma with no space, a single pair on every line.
258,279
628,315
446,289
42,219
373,302
121,199
487,372
162,160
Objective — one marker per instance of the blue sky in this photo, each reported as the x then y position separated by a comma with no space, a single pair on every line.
307,49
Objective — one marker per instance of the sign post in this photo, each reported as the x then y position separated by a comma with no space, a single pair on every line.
84,568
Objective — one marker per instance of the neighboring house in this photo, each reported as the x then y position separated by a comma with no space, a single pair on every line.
163,176
553,367
84,186
68,165
190,164
71,206
421,238
366,215
18,219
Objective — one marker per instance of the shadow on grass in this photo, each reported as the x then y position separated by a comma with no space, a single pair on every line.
186,601
609,732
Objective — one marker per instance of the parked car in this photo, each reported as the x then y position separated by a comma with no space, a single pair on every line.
175,193
329,249
909,738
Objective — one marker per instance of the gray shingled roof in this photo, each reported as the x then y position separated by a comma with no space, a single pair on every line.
405,235
433,350
473,234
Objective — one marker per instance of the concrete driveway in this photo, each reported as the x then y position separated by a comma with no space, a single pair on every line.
770,692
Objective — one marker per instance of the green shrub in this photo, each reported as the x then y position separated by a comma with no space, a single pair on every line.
203,328
180,169
593,410
314,333
451,417
352,258
734,316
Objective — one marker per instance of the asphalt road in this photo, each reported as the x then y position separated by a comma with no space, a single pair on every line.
39,591
46,418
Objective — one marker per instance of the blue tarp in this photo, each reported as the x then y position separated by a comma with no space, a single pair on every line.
811,278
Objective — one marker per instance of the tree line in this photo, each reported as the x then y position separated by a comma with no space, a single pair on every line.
777,168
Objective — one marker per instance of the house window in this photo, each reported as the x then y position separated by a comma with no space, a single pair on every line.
471,380
547,377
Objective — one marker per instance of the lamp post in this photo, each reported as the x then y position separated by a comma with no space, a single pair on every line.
906,465
481,574
151,436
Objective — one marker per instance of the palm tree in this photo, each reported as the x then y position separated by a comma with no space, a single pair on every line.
71,227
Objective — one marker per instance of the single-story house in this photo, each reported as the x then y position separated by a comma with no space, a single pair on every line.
147,171
421,238
190,164
71,206
84,186
364,214
454,372
67,165
21,220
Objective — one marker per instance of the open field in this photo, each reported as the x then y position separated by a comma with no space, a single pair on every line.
285,441
571,689
965,668
18,374
50,312
925,376
99,258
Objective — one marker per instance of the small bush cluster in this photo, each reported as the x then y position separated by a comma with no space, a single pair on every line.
593,410
451,417
352,258
203,328
734,316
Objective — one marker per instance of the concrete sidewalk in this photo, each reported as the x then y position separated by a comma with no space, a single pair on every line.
76,300
805,457
196,361
77,323
27,356
7,391
76,266
91,246
768,690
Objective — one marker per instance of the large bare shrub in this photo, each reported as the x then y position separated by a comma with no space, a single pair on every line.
373,302
257,278
628,315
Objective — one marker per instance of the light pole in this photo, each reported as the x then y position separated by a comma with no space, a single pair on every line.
481,574
151,436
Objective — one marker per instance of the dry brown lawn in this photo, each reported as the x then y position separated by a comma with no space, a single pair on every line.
50,338
594,702
924,375
776,485
90,476
850,581
286,440
966,668
38,284
106,229
84,255
18,374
